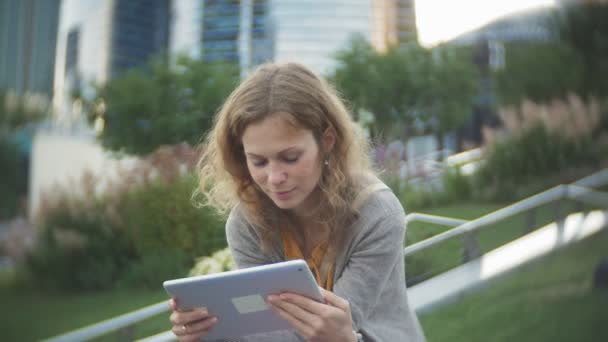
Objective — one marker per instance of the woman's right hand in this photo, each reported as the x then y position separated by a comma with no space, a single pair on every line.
190,325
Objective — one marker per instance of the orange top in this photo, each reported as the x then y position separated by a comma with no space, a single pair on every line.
293,251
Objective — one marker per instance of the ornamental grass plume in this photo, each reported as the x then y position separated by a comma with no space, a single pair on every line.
570,117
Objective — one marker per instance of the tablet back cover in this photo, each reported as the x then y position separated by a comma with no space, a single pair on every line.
238,298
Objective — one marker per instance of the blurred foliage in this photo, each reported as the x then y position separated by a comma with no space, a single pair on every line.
161,217
78,252
16,111
576,60
19,110
453,84
14,183
559,65
405,84
533,154
140,230
454,187
584,27
162,105
220,261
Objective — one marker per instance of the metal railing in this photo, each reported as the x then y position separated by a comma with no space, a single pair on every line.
576,191
579,191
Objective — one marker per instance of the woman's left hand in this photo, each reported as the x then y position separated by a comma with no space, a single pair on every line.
316,322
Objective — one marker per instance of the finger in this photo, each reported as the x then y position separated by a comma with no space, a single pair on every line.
202,326
186,317
301,327
306,303
173,304
293,308
194,330
335,300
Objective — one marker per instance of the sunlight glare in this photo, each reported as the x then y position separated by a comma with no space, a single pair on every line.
441,20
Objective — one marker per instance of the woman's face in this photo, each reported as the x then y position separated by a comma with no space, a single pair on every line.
284,161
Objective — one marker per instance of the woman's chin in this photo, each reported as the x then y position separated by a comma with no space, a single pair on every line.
283,204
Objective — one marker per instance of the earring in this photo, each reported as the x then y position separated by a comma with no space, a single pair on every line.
326,162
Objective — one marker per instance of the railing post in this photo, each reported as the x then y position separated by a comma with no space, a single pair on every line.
579,206
126,334
530,223
559,206
472,250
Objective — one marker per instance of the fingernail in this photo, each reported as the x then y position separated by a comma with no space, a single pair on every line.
272,298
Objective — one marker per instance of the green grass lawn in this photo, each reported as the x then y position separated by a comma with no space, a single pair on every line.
551,299
449,254
30,315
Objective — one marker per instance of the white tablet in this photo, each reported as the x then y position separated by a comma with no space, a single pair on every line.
238,298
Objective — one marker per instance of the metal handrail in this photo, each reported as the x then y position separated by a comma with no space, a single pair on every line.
575,191
553,194
112,324
442,220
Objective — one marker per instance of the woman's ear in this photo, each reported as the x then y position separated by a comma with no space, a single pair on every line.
329,139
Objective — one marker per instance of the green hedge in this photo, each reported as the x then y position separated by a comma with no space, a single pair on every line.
78,252
161,217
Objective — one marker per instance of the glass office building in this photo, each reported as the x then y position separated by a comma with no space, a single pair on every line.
249,32
98,40
140,30
28,31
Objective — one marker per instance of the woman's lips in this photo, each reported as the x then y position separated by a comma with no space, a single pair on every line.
282,195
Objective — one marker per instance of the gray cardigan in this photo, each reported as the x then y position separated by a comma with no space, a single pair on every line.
369,271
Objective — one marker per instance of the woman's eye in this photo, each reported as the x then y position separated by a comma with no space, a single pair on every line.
291,159
258,163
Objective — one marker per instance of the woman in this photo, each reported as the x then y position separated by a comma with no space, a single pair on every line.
286,160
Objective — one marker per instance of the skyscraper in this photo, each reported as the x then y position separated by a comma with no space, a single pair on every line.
249,32
394,22
98,40
140,30
28,31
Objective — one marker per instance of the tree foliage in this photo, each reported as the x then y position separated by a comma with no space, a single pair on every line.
452,84
162,105
405,84
576,60
539,72
584,27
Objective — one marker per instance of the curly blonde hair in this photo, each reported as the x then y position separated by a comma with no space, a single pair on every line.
306,101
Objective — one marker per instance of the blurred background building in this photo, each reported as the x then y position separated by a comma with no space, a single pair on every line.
98,40
28,32
249,32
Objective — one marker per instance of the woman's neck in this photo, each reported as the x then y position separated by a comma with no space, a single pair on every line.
309,209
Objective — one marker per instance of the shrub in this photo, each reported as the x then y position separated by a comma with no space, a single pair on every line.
142,229
220,261
162,217
453,186
78,252
151,270
543,142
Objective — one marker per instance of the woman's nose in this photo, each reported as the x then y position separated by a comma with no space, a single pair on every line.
276,175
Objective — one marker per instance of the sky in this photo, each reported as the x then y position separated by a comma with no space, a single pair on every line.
440,20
